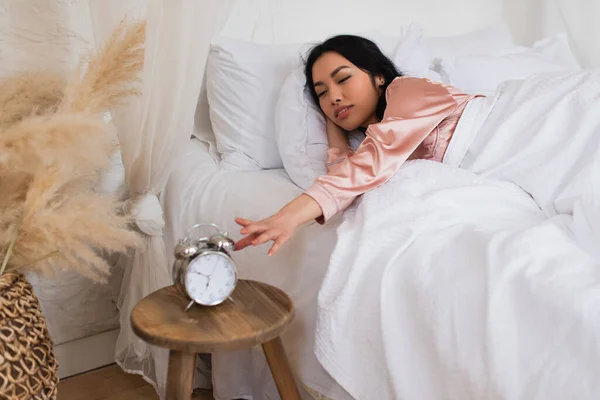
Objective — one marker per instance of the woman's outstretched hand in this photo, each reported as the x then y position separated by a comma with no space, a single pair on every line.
279,227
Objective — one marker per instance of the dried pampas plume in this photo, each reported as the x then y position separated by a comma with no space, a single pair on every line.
111,74
54,143
29,93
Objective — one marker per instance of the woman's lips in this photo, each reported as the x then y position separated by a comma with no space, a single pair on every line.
343,112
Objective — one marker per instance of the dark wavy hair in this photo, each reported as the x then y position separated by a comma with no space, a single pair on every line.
359,51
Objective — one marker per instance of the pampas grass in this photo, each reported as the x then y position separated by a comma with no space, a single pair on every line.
54,143
29,93
111,74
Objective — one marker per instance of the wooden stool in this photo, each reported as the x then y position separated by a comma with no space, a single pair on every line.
258,315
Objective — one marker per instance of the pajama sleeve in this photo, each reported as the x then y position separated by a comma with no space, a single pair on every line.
336,155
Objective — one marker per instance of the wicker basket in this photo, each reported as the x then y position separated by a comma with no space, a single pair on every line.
28,367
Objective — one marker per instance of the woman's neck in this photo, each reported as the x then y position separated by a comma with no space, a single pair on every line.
372,120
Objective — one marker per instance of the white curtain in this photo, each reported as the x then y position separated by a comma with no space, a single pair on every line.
153,132
580,19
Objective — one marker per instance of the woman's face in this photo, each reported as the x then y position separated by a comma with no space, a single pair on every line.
347,94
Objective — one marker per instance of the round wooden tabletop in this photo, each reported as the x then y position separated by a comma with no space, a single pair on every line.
258,313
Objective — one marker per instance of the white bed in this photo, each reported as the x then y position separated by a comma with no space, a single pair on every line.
439,284
199,191
203,189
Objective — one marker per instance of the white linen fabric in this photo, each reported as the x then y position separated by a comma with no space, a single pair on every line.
543,134
460,289
486,282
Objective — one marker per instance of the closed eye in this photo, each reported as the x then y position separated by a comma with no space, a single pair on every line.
322,93
344,79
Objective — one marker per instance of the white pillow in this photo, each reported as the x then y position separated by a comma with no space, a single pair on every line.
243,83
300,124
487,40
411,57
482,74
299,127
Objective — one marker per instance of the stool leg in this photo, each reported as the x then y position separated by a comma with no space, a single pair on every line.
180,375
280,369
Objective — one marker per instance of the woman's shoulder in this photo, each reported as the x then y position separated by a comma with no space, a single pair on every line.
411,81
412,84
409,89
409,96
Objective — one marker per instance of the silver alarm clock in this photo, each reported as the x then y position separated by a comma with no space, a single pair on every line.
203,270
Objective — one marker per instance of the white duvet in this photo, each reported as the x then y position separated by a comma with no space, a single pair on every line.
447,285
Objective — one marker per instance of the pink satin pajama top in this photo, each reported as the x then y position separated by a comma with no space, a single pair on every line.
418,123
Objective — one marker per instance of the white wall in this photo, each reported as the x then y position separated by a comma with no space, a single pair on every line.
53,32
280,21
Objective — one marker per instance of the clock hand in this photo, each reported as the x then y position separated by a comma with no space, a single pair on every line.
214,268
213,271
205,276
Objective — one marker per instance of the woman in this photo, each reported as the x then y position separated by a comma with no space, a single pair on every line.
406,118
358,87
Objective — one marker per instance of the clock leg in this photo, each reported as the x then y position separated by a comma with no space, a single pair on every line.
280,369
180,375
189,306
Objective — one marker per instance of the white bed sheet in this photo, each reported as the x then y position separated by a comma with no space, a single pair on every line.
198,191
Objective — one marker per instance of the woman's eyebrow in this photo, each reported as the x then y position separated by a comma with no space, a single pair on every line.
333,74
338,69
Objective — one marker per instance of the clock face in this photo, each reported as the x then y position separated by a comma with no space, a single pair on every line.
210,278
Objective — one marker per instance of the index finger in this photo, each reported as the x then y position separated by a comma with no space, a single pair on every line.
244,242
